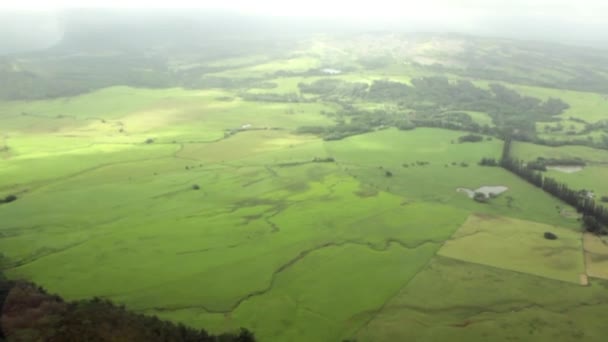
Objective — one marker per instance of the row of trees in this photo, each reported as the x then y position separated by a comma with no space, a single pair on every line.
595,216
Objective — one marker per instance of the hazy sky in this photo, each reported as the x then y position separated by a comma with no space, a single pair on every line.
590,9
582,22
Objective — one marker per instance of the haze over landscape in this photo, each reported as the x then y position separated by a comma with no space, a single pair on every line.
313,171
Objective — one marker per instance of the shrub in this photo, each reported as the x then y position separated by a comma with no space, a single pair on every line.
470,138
604,199
480,197
550,236
9,199
488,162
196,187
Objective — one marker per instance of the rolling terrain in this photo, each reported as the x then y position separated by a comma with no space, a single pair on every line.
311,194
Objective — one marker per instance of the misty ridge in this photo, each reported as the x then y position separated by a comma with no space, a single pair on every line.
31,30
139,47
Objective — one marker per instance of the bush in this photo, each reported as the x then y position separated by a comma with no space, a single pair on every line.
488,162
9,199
480,197
592,225
538,165
318,130
550,236
196,187
323,160
470,138
604,199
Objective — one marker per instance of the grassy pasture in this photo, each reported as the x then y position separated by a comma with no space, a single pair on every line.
481,118
105,103
519,246
590,107
368,157
527,151
242,252
294,64
292,249
596,256
590,178
451,300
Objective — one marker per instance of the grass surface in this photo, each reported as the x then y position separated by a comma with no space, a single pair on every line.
596,256
458,301
519,246
590,178
293,249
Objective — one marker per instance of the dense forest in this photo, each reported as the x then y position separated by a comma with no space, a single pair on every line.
434,102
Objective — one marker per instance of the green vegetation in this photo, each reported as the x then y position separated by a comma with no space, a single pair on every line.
596,256
31,314
595,215
253,188
518,246
481,302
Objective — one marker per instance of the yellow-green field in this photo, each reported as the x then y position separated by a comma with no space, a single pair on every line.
596,256
519,246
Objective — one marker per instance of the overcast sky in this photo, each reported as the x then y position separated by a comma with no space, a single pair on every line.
596,9
569,21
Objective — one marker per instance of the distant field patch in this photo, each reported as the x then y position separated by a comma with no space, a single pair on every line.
596,256
451,300
426,165
589,178
481,118
590,107
518,245
528,151
252,144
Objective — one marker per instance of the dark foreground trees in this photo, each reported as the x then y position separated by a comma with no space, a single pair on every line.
30,314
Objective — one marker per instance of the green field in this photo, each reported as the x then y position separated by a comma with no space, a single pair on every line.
518,246
203,207
592,175
485,303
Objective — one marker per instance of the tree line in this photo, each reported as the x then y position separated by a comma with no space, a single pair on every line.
31,314
595,216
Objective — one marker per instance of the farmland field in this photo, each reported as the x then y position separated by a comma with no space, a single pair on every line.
277,207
